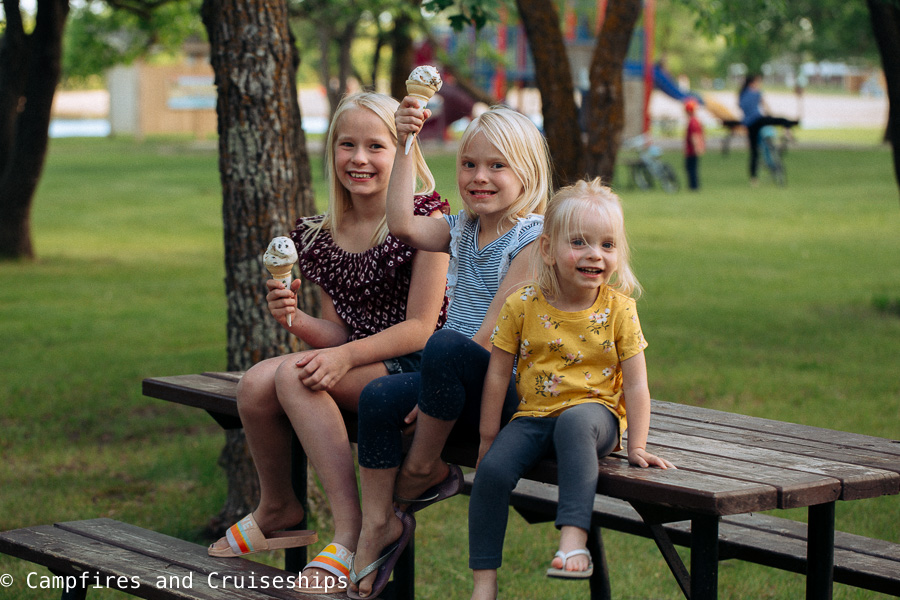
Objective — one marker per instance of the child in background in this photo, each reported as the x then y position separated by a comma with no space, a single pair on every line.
581,379
381,300
694,145
503,176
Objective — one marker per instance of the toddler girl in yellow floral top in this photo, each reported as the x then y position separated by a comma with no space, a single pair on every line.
581,379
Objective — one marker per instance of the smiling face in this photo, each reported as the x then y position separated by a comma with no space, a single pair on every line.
486,181
363,153
584,258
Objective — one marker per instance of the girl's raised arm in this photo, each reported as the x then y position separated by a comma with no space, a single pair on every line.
424,233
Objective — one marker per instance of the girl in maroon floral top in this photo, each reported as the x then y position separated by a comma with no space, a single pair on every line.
381,300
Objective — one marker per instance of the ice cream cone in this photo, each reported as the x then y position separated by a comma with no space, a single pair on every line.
285,277
422,84
279,260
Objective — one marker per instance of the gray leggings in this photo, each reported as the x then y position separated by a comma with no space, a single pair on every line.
580,436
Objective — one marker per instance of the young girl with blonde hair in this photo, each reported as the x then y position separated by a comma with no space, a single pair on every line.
381,299
503,178
581,379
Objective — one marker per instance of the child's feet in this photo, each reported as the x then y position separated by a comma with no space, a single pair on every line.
269,520
573,561
373,539
411,485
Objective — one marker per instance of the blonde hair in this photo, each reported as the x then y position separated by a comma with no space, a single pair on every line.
564,218
524,149
384,108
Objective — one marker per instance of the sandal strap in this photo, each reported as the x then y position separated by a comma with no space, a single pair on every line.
334,558
357,577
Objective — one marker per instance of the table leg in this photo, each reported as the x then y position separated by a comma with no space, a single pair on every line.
600,589
704,557
820,552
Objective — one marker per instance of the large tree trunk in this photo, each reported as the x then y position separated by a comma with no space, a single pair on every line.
886,25
30,66
554,80
264,171
606,103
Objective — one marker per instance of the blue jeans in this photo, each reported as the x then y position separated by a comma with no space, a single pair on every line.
580,435
447,388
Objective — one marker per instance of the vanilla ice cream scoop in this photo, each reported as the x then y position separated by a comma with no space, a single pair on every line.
422,84
279,259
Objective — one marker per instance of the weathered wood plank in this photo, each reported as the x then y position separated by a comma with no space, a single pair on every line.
769,427
69,553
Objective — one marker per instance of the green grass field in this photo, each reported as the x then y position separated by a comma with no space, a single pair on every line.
776,302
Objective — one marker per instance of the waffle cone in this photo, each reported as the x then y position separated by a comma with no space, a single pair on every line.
285,277
420,90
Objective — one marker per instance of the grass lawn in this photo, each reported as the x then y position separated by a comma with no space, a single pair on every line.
775,302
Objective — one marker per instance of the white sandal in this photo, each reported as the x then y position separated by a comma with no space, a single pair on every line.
565,556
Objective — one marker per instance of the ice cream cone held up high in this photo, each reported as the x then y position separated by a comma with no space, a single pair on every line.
422,84
279,259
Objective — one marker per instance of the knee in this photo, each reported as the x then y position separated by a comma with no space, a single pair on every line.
494,476
442,345
256,390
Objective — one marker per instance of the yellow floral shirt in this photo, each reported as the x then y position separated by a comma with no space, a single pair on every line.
569,358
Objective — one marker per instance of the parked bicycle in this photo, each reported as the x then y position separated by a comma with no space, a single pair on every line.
645,166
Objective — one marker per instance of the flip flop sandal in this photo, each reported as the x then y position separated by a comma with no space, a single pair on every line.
565,556
245,537
385,564
334,559
450,486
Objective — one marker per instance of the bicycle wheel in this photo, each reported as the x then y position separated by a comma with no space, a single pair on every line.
667,178
640,176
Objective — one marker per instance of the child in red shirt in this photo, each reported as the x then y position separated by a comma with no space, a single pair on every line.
694,145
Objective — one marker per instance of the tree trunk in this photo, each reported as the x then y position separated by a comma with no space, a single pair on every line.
30,66
606,103
264,171
402,52
886,26
554,80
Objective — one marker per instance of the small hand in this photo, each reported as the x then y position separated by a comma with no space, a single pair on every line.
639,457
282,301
410,118
483,448
410,421
322,369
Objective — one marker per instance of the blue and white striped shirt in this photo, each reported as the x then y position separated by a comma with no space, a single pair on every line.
475,274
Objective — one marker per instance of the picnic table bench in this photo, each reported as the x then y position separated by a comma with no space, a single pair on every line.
730,468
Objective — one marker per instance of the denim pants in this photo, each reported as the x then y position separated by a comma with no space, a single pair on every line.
447,388
579,436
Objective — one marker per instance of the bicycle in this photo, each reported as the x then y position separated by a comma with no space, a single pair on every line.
647,167
772,147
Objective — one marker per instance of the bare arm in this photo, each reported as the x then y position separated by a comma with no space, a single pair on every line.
519,274
424,233
496,382
637,409
324,368
325,332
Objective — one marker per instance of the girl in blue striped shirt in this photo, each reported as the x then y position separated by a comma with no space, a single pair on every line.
503,177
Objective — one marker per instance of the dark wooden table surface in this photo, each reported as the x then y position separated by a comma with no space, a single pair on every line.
728,464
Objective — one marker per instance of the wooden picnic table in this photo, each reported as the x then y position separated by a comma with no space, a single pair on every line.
728,464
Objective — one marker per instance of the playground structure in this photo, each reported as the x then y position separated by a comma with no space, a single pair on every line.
509,77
